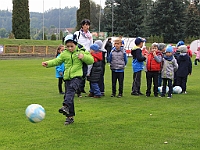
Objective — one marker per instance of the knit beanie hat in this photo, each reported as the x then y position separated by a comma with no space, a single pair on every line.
154,44
169,49
180,43
161,46
94,47
138,40
182,48
71,37
100,44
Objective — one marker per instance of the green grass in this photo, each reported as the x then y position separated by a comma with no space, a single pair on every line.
100,124
29,42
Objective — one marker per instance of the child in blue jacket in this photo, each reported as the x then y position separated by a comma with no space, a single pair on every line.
137,64
60,69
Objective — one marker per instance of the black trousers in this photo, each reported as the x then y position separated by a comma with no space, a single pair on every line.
175,80
101,84
71,86
152,75
136,82
165,81
182,81
60,81
101,80
159,79
195,61
82,85
120,77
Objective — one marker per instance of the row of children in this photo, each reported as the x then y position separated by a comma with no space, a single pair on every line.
75,55
155,67
176,51
161,62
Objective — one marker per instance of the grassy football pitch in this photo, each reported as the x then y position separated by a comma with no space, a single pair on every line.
127,123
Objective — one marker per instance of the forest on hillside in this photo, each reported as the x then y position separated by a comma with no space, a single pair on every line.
51,18
51,21
160,20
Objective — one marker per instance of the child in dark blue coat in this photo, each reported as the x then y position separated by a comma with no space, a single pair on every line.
184,68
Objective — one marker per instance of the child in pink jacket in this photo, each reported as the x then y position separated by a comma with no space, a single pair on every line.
197,56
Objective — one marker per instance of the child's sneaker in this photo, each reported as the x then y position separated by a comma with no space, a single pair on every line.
119,96
169,96
162,95
69,121
140,93
91,95
64,110
147,95
112,95
184,92
96,96
79,95
135,93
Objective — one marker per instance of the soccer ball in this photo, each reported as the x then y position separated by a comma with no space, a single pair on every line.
177,90
160,89
35,113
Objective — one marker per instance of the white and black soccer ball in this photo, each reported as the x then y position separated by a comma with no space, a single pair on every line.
177,90
35,113
160,89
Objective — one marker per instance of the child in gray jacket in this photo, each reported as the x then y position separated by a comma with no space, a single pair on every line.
170,66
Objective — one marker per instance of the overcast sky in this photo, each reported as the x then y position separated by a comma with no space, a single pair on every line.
37,5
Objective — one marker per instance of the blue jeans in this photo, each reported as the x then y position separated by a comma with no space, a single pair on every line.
94,88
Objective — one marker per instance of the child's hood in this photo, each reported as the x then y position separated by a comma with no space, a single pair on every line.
135,47
183,57
97,56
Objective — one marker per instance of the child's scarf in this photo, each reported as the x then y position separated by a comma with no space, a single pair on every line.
169,58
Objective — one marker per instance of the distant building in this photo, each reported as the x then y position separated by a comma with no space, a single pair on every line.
65,31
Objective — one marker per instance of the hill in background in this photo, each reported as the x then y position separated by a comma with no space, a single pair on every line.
51,19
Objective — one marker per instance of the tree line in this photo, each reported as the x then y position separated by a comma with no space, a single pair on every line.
166,20
51,21
171,20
